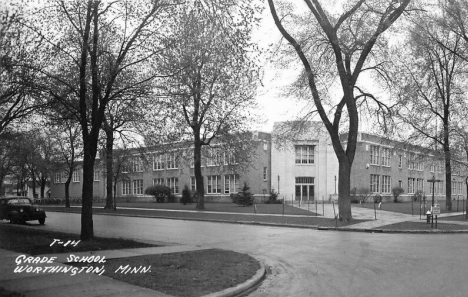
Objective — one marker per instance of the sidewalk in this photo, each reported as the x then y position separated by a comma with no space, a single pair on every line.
383,217
90,284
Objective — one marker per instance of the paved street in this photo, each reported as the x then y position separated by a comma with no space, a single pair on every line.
306,262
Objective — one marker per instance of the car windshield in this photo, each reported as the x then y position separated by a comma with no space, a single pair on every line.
19,201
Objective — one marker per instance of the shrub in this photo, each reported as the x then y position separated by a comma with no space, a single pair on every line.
186,196
160,192
273,198
419,196
377,198
244,197
397,191
360,195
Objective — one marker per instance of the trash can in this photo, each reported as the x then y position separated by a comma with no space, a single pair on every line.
428,217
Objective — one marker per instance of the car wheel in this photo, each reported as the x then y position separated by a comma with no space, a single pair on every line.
42,221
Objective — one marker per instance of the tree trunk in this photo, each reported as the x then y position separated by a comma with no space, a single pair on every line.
115,198
87,228
43,184
67,193
198,174
344,186
448,172
109,167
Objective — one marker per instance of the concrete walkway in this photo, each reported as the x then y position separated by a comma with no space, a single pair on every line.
377,218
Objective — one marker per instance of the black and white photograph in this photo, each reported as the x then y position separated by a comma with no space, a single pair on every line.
233,148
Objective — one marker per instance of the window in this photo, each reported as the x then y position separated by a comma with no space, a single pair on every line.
265,173
138,187
126,184
193,183
386,157
400,184
304,154
125,168
158,181
214,157
231,183
411,185
158,163
213,184
173,183
96,175
400,161
171,160
374,155
386,182
64,177
137,164
410,163
374,183
76,176
420,184
230,158
58,176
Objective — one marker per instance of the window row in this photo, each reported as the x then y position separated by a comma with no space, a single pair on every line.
380,184
62,176
380,155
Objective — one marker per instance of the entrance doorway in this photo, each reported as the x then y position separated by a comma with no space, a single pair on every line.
305,188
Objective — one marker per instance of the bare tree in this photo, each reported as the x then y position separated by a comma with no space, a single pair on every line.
340,46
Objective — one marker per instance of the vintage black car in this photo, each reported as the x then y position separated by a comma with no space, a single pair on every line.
19,209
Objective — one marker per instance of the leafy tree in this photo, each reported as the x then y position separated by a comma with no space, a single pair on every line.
396,192
210,86
432,76
91,46
338,48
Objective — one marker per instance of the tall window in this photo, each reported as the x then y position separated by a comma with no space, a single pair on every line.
230,158
411,185
231,183
158,181
386,182
58,177
400,161
64,177
96,175
304,154
420,184
126,185
193,183
173,184
213,184
137,187
125,168
215,157
76,176
265,173
158,163
374,155
386,157
137,164
171,160
374,183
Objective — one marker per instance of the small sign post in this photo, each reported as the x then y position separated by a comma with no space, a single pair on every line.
435,212
433,181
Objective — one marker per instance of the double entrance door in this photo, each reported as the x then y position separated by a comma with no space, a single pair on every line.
304,193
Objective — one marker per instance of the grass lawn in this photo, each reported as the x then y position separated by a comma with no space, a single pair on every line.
462,218
415,207
218,207
35,241
186,274
194,273
228,213
423,226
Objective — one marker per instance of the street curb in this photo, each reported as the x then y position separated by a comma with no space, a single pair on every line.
435,231
244,287
316,227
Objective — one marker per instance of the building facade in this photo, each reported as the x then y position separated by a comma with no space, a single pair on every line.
223,171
